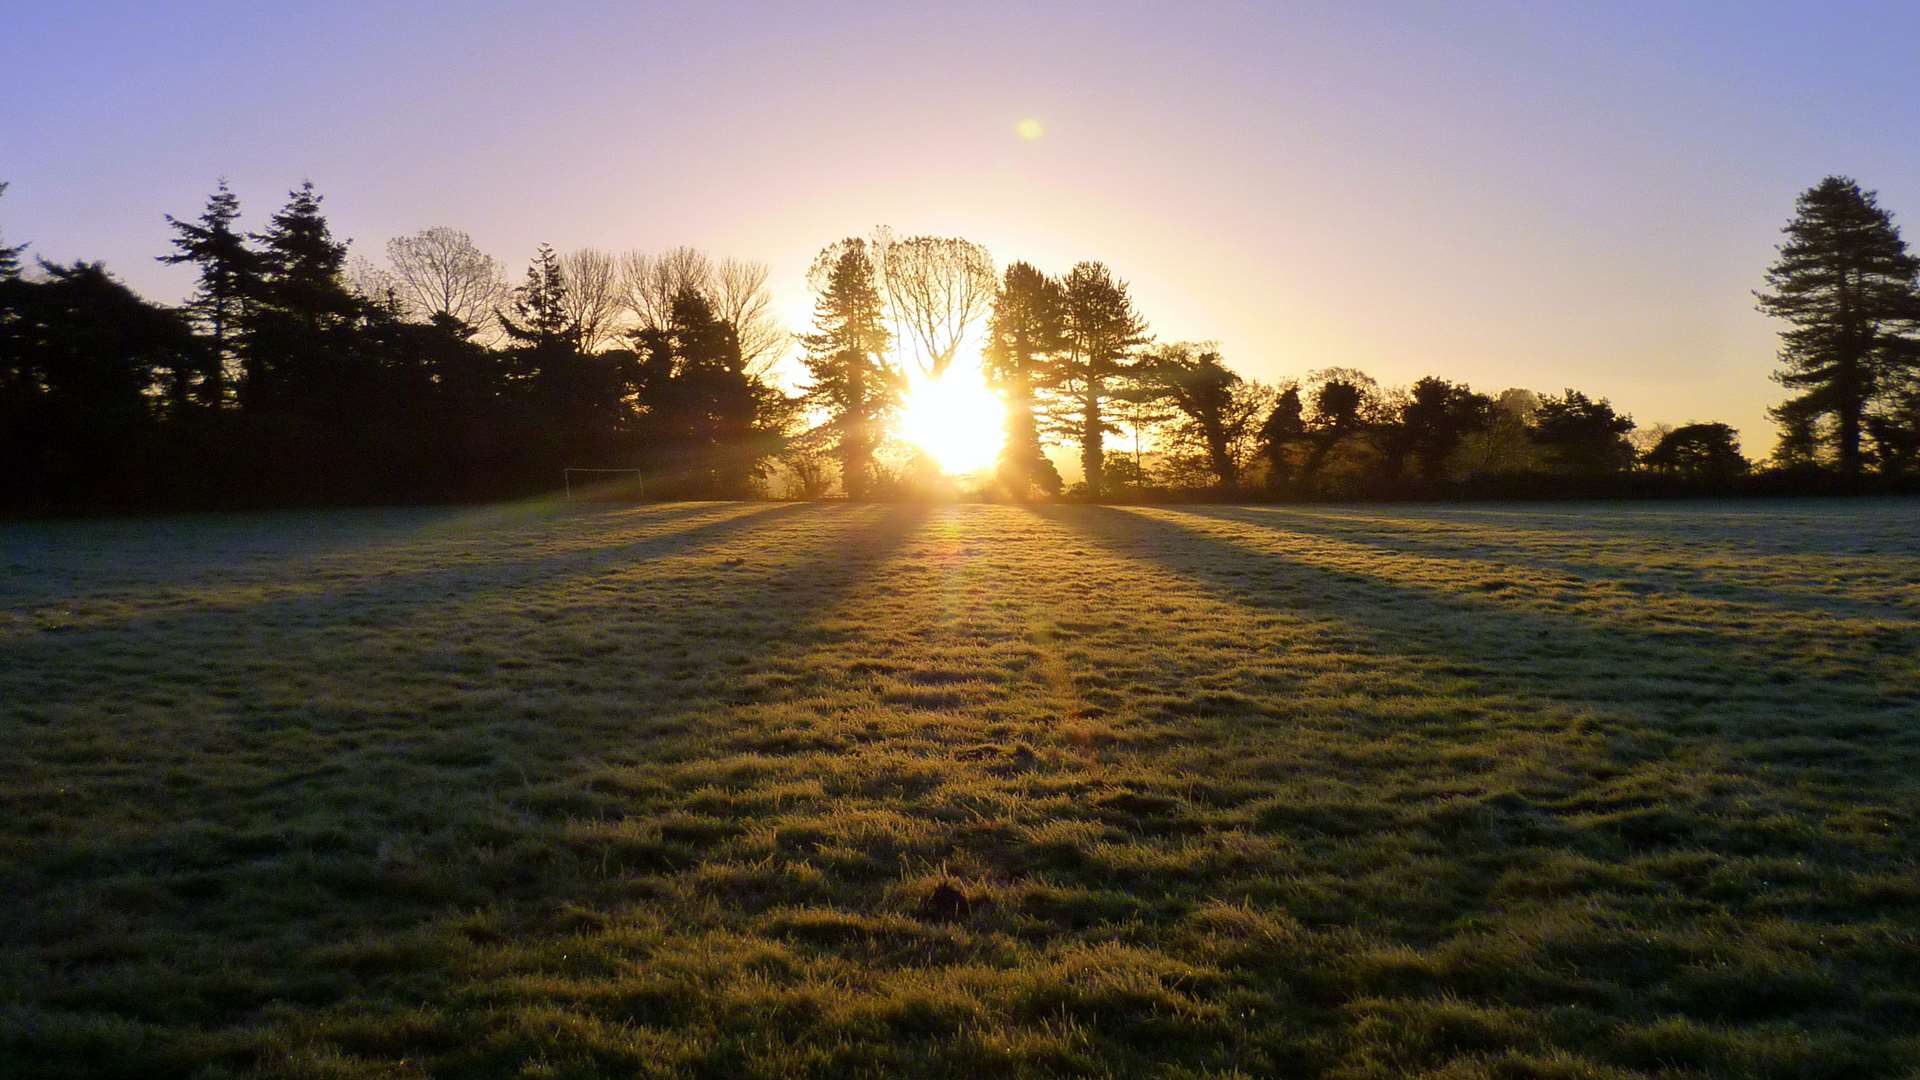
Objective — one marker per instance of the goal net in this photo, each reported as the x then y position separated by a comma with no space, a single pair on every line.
603,485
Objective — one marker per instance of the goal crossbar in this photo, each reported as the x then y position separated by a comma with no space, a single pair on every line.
567,476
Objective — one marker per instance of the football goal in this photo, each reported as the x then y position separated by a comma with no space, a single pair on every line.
602,483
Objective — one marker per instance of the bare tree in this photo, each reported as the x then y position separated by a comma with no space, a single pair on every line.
648,283
741,299
438,272
937,287
735,288
375,284
593,296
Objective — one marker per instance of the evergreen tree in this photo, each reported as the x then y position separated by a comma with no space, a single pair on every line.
1845,283
9,256
1024,338
1102,331
229,282
1283,429
300,342
539,306
853,381
80,358
713,424
1582,436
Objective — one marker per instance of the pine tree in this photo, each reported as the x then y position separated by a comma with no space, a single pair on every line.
9,256
300,340
706,414
1102,330
1845,283
229,284
846,356
539,317
1024,338
1582,436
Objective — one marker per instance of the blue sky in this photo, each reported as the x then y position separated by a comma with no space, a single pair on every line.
1536,195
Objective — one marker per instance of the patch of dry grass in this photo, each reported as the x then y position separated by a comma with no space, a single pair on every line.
737,789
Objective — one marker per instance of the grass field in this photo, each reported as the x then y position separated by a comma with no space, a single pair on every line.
784,789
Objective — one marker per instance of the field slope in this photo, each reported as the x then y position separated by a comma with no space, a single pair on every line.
761,789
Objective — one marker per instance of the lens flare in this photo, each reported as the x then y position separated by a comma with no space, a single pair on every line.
955,420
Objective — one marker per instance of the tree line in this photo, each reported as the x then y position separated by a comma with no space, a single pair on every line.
296,374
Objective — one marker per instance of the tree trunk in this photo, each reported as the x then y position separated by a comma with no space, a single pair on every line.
1223,468
1091,431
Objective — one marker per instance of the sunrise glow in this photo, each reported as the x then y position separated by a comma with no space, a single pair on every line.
956,420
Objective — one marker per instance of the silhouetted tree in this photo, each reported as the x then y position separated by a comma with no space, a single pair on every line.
852,381
713,425
1281,433
1698,452
9,256
1024,338
937,287
1894,428
1346,408
740,298
1845,283
439,273
591,297
80,357
229,284
1579,435
1102,331
301,356
1801,445
1436,417
736,289
540,318
1218,412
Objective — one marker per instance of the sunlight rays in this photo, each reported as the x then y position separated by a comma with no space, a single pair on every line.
956,420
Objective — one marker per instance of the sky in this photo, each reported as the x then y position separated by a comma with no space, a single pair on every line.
1515,194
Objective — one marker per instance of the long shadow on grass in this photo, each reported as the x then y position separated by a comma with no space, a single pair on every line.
1460,544
1640,680
398,592
1456,541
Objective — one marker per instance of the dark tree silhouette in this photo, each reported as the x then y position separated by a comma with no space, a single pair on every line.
1025,335
1436,417
10,256
1102,332
301,355
228,287
1698,452
1217,411
440,274
1345,407
711,425
1845,283
852,380
1283,430
1581,436
540,318
79,353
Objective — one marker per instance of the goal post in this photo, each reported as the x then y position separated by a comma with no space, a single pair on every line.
586,483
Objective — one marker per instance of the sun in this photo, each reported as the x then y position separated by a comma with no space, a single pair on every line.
957,421
1029,129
